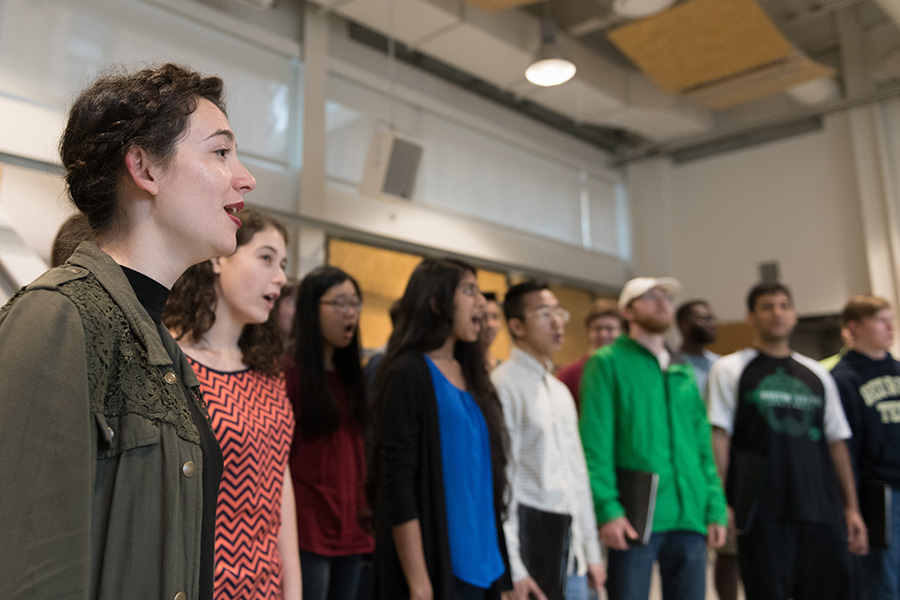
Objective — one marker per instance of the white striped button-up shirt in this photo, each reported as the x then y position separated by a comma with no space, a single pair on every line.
546,463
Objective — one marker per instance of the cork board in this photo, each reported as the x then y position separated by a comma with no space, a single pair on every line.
731,337
701,41
577,302
493,281
382,275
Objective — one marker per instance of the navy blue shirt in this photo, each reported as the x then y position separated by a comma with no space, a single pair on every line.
468,484
870,392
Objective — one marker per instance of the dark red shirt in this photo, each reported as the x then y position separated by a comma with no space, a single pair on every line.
571,376
329,474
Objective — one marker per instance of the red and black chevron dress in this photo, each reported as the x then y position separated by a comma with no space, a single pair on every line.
254,423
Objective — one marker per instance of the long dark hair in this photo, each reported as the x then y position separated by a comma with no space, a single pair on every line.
318,412
424,321
191,308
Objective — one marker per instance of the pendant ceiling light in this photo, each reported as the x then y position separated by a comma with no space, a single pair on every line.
638,9
550,66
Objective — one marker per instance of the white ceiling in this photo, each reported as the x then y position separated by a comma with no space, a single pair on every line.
607,90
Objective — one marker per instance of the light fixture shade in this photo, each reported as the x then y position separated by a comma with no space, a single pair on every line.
639,9
550,71
550,66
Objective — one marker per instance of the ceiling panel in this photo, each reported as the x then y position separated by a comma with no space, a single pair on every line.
473,49
701,41
758,83
413,20
495,5
574,98
659,125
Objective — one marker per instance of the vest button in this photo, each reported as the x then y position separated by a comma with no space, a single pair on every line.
189,468
180,596
170,377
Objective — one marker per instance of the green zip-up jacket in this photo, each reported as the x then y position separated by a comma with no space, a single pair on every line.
636,416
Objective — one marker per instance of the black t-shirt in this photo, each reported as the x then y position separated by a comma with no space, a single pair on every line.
153,295
780,415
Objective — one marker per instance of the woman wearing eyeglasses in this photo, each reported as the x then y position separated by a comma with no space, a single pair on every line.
325,385
440,451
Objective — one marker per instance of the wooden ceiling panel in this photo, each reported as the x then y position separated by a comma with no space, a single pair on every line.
702,41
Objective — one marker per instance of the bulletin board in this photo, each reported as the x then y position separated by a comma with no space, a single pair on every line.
382,275
577,302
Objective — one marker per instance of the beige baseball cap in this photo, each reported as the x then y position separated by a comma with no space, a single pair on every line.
641,285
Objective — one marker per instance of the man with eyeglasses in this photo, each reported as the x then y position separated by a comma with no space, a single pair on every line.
641,410
546,464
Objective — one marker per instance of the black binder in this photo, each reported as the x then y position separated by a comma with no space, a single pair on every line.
875,506
544,540
637,495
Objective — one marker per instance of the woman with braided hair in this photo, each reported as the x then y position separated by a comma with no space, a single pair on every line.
110,467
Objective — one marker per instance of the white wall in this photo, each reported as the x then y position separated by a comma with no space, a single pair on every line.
261,66
532,231
711,222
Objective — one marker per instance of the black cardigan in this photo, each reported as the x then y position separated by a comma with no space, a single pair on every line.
411,484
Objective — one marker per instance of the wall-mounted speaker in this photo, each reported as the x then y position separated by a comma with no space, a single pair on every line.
391,165
769,271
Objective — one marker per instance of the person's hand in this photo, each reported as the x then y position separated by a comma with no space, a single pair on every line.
596,576
717,535
732,527
616,534
857,534
525,588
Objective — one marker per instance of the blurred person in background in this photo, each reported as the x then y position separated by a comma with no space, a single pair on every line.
641,410
493,320
285,307
868,379
697,325
328,464
603,325
779,434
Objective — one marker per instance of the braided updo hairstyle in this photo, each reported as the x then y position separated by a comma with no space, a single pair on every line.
148,109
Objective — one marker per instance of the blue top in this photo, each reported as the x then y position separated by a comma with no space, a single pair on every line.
468,484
